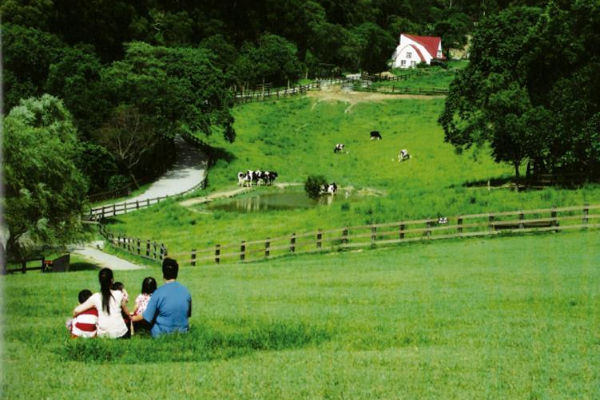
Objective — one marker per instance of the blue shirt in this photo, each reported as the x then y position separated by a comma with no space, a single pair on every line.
169,309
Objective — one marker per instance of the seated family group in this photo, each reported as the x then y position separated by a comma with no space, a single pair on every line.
105,314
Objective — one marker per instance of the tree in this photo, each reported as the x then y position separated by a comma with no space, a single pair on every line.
314,184
128,136
376,47
532,90
44,191
453,28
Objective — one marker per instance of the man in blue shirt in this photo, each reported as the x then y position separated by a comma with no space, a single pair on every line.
170,305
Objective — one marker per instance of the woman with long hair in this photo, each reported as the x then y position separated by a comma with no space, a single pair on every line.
110,305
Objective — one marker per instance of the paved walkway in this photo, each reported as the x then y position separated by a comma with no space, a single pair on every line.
93,252
186,174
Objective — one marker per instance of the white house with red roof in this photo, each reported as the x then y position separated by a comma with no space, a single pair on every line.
413,50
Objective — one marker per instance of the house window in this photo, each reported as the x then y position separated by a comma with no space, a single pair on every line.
402,62
408,54
413,63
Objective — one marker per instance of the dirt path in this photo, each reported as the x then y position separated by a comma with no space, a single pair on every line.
352,98
93,252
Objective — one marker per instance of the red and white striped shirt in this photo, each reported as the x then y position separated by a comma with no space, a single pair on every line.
84,324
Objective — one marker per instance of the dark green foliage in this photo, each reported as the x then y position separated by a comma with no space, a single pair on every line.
44,191
530,89
313,185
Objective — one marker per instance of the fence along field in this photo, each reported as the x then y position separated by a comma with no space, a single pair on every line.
376,235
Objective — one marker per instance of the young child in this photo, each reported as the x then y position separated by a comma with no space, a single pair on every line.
84,324
141,302
120,287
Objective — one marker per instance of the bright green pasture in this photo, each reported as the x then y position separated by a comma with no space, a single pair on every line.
503,318
434,77
296,138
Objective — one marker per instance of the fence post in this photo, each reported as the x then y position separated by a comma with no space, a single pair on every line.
137,204
293,243
139,247
401,231
147,202
114,209
553,214
193,257
267,245
163,251
491,222
459,223
373,235
586,211
148,248
319,239
521,219
217,253
154,253
243,251
345,236
128,242
103,211
24,266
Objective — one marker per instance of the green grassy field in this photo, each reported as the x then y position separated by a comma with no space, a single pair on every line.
296,138
505,318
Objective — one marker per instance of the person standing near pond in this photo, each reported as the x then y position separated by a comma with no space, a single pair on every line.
110,305
170,306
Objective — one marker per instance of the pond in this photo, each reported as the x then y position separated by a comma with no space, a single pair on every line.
274,201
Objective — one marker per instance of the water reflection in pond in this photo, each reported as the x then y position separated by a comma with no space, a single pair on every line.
273,201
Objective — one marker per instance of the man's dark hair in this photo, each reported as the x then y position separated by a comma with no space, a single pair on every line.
148,285
84,295
170,269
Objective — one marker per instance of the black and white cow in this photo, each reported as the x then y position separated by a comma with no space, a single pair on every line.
329,189
403,155
242,178
269,177
338,148
375,135
258,177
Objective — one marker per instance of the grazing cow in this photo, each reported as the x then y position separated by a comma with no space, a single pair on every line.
259,177
329,189
269,177
403,155
375,135
242,178
338,148
442,220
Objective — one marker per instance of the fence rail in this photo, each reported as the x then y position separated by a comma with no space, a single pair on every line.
150,250
376,235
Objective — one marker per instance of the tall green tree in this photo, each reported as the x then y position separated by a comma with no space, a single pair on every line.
43,189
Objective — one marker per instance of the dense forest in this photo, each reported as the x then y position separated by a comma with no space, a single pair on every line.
98,89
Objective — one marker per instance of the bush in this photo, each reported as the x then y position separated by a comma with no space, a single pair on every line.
313,185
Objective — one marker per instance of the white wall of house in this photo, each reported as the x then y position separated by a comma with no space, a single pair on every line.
406,55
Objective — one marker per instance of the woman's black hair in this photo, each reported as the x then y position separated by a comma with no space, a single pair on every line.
106,279
148,285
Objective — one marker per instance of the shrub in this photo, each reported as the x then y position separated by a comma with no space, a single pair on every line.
313,185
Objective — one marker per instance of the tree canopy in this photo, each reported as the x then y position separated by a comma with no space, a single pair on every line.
531,90
44,190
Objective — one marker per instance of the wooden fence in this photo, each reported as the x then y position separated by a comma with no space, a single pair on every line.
112,210
150,250
30,264
376,235
268,93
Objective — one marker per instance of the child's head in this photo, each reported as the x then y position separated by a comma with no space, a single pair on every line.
118,286
84,295
148,285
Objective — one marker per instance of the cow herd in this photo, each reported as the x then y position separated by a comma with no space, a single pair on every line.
257,177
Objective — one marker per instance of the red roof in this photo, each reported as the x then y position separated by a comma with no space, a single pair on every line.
418,52
431,43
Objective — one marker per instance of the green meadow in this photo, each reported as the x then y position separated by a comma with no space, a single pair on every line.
503,318
296,138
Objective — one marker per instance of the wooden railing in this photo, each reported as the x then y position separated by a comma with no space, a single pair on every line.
147,249
112,210
376,235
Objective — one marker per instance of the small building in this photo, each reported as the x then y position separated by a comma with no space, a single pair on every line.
413,50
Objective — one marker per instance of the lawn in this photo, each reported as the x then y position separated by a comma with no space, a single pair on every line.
296,138
503,318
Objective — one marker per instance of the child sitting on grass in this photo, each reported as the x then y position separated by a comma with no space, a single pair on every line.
141,302
84,324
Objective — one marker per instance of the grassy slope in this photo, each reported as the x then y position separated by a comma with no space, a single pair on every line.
296,138
502,318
